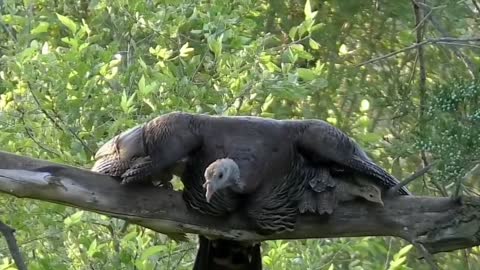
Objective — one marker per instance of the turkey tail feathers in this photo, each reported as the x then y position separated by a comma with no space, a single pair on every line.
227,255
370,168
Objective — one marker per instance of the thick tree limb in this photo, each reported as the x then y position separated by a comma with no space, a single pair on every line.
439,224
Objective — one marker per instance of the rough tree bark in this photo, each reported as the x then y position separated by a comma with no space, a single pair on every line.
440,224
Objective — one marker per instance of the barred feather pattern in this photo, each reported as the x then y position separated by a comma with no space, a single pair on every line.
272,210
370,168
327,144
138,170
111,165
276,210
157,130
121,152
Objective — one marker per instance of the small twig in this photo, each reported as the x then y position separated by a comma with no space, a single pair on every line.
477,7
439,187
41,108
414,68
388,55
466,258
459,44
426,255
283,46
192,77
332,258
246,90
460,182
8,233
29,241
467,61
28,131
74,134
420,27
185,251
124,226
412,177
416,45
421,23
9,30
54,122
387,259
46,149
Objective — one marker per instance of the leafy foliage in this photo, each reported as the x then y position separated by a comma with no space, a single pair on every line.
75,73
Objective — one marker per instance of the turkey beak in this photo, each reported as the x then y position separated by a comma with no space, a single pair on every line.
210,190
379,201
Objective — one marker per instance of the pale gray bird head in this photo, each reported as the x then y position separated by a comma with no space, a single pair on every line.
371,193
220,174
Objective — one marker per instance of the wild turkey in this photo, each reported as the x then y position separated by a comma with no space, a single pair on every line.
270,156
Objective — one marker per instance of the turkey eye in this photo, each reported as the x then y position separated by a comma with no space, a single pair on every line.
220,175
371,196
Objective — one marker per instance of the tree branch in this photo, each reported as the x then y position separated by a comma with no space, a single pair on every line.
434,41
468,63
439,224
412,177
477,7
8,232
54,122
420,29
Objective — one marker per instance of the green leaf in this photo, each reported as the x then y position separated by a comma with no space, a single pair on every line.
399,258
300,52
319,83
404,250
142,63
396,263
151,251
160,52
141,85
272,67
129,236
68,23
185,50
131,100
70,41
370,137
306,74
268,101
313,44
83,46
343,49
292,33
215,45
93,248
73,219
126,103
307,10
364,105
42,27
150,104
